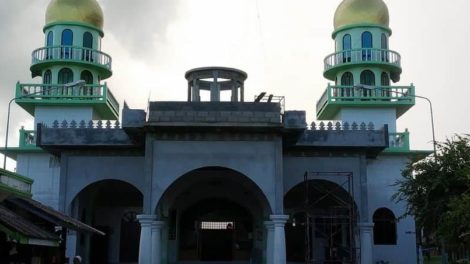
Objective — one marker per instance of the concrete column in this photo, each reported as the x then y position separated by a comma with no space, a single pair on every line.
269,241
71,245
365,230
157,227
145,245
279,249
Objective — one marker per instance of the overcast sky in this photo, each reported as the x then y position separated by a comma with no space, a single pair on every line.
279,43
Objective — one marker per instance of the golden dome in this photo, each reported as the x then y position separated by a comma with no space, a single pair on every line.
351,12
83,11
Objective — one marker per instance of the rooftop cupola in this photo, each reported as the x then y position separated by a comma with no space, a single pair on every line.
361,12
215,80
78,11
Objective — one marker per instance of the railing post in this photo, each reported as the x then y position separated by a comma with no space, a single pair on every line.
406,139
105,92
22,142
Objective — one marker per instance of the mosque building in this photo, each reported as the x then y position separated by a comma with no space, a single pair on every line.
221,181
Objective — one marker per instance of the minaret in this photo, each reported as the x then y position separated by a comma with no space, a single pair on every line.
363,67
72,67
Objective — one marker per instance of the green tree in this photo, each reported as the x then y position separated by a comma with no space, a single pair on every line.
437,192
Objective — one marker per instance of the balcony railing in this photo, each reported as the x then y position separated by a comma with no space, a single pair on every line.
399,142
15,183
354,96
362,55
27,139
41,94
72,54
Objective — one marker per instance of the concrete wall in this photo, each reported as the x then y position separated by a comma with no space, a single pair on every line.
44,169
49,114
81,171
259,161
383,173
378,116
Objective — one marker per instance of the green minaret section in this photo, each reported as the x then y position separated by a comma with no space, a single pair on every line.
363,66
71,63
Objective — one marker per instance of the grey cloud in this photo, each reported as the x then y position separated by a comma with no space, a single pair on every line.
138,24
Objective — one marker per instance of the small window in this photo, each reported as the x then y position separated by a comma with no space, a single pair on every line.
366,45
347,80
66,42
384,45
67,37
347,46
384,80
385,227
65,76
50,39
49,43
88,45
384,41
88,40
367,78
88,78
47,78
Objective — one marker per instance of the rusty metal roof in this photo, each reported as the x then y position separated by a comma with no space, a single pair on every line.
23,226
52,215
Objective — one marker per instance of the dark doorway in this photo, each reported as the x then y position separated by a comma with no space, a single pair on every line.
130,236
216,230
99,247
216,245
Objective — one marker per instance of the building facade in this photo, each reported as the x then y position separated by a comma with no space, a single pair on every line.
221,181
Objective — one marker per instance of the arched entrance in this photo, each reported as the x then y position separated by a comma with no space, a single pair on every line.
214,214
110,206
322,220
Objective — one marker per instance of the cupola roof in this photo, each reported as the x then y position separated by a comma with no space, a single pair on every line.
352,12
82,11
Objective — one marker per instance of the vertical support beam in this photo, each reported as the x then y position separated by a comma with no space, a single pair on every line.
215,87
189,91
365,230
278,206
242,93
196,97
145,244
364,190
156,249
269,241
148,177
234,91
71,245
279,245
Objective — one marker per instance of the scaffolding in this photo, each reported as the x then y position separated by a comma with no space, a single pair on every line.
333,225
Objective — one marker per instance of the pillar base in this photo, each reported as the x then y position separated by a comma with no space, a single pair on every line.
145,245
279,243
366,231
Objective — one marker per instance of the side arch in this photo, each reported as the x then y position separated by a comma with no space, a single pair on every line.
323,217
